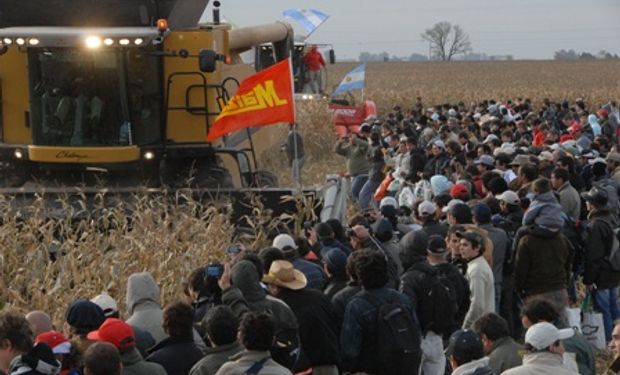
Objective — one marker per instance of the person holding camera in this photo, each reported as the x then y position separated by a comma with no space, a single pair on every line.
203,289
354,149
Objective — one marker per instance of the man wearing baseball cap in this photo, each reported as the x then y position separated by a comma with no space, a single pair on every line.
466,354
437,254
144,340
544,351
120,334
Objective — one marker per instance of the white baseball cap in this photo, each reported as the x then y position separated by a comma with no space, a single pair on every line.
284,240
107,304
451,204
543,335
388,201
426,208
509,197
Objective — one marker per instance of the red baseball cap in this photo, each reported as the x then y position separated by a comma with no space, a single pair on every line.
459,191
55,340
566,137
574,128
116,332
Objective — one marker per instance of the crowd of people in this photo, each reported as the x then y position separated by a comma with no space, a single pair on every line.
475,228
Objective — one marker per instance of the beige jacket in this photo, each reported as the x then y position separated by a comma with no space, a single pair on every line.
541,363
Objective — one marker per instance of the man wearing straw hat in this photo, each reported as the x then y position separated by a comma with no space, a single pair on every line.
318,327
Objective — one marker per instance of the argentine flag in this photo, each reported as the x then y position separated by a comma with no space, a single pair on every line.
310,19
354,80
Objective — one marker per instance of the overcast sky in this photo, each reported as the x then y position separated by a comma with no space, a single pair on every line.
526,29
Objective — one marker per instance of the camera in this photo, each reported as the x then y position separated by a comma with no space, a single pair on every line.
214,270
233,250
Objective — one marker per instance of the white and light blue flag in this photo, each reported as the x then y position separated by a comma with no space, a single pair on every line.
310,19
354,80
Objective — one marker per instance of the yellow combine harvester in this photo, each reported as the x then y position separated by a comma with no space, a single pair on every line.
120,94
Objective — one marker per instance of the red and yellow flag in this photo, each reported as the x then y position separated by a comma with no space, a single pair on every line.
264,98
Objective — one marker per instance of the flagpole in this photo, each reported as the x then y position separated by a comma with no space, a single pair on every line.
297,176
296,169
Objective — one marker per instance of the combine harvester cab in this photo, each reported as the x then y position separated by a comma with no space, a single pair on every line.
265,55
119,96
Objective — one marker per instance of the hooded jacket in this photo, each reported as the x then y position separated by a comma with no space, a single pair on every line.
39,360
245,278
596,127
545,212
134,364
542,271
143,304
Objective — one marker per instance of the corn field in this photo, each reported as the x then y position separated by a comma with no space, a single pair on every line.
169,239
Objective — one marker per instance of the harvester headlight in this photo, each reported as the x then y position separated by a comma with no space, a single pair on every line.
123,42
20,41
162,25
138,41
93,42
33,41
18,153
149,155
108,41
7,41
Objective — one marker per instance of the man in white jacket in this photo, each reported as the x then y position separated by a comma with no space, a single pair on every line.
544,351
479,275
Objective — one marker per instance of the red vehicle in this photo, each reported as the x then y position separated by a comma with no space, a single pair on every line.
349,118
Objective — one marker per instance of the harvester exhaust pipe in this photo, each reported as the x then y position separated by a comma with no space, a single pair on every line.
216,12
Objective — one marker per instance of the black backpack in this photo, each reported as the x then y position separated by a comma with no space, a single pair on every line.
613,255
438,304
575,232
398,337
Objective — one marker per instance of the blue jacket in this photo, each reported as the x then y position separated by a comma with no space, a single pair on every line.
358,336
313,272
545,212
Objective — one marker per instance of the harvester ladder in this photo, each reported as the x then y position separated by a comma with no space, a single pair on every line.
223,98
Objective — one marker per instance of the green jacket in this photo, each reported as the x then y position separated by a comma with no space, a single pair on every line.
355,152
506,354
539,271
134,364
215,358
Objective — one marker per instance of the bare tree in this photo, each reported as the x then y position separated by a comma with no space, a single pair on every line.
447,40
